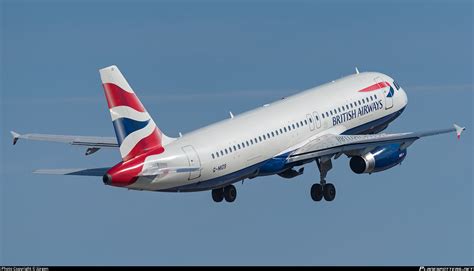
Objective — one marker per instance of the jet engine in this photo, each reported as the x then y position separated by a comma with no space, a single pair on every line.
379,159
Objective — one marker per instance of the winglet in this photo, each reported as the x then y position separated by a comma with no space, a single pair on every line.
459,130
16,136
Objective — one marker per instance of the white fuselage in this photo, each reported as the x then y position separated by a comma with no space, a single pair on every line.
221,151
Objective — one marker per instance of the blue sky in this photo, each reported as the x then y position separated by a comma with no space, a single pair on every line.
191,63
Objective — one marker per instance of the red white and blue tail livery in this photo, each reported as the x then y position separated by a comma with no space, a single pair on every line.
342,117
136,131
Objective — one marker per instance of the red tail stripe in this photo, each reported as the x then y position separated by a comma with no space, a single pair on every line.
375,86
147,143
116,96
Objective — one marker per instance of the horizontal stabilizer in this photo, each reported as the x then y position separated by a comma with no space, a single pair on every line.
74,171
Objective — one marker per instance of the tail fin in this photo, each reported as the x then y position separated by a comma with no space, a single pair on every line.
136,131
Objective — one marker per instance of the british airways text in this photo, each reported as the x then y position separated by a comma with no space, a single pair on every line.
358,112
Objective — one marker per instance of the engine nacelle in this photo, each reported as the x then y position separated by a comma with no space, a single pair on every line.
380,159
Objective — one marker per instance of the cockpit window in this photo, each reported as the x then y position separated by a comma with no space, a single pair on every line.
397,86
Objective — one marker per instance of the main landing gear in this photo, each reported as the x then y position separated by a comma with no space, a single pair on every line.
229,193
323,189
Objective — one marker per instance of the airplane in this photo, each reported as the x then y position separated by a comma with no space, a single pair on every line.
342,117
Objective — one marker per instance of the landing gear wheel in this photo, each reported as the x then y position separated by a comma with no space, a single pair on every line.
230,193
218,194
316,192
329,192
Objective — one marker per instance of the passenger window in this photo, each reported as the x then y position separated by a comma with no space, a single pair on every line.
230,149
235,148
367,99
371,98
352,106
375,96
212,156
260,139
268,135
306,122
297,125
273,134
311,120
359,102
247,143
284,129
293,126
226,152
281,131
264,137
301,122
317,118
289,128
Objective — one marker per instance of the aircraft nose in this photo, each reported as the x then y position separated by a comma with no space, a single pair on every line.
404,96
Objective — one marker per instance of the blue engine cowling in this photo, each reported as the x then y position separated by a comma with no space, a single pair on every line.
379,159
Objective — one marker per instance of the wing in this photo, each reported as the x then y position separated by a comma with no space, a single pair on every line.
329,144
94,143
